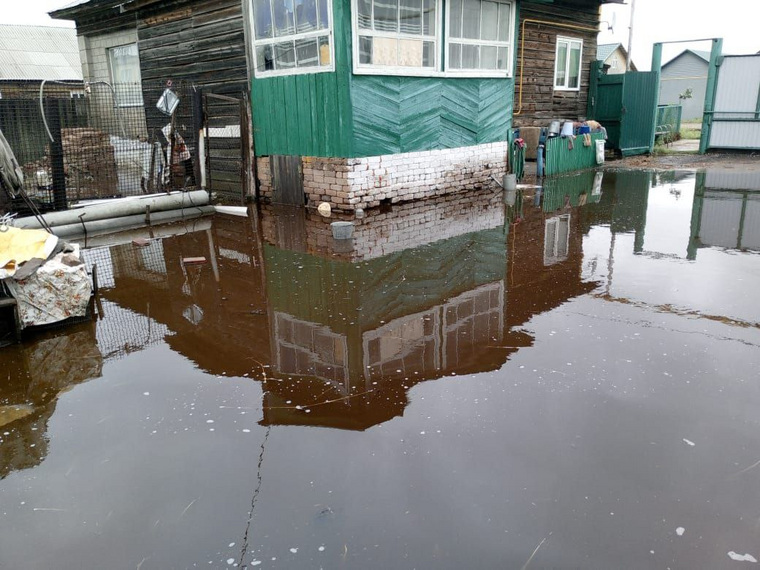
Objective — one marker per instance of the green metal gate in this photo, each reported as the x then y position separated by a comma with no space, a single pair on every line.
626,105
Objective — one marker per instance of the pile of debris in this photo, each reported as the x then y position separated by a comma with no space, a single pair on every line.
89,163
42,278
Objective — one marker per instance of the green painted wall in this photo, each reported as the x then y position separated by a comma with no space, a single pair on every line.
345,115
405,114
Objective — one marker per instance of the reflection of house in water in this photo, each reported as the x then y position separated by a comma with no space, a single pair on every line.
34,375
726,211
424,291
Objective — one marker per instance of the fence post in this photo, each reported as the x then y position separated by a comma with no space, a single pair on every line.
711,91
198,125
53,118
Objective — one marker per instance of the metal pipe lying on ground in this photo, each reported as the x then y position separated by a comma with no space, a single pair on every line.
112,225
118,209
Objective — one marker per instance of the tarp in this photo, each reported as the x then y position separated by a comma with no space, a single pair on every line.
18,246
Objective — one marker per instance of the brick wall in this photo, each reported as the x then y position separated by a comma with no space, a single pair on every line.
351,183
382,232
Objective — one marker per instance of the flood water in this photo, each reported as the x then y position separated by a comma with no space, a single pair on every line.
567,382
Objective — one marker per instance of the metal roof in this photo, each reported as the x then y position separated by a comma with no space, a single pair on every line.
603,51
39,52
705,55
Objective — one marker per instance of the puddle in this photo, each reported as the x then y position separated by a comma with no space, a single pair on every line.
568,379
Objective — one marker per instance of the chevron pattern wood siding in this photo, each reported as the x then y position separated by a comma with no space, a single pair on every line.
407,114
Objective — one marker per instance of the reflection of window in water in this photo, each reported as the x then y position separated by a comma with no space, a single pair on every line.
556,239
438,338
310,349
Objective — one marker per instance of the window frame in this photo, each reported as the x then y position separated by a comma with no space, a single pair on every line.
372,69
570,41
115,84
254,43
485,73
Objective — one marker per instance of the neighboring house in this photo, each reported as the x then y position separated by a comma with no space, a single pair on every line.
31,54
360,102
614,57
688,70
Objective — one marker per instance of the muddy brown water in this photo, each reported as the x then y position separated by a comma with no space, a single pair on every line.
567,382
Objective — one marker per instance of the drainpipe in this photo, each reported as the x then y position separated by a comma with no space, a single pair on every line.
522,49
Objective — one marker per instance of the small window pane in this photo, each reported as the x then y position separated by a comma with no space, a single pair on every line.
306,15
488,57
324,18
125,74
471,20
307,53
324,51
365,49
470,58
428,17
575,67
559,80
455,17
264,58
283,18
410,53
503,55
489,21
428,54
365,14
455,56
505,22
386,15
262,15
284,55
411,16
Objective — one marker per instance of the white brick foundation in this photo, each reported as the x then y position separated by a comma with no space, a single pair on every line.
351,183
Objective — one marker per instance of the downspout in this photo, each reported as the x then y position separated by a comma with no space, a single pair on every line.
522,49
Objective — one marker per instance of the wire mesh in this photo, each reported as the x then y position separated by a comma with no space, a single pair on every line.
101,141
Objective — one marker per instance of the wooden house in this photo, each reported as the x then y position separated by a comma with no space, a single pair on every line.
362,102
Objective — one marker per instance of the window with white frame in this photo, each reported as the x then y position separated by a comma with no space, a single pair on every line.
292,36
124,62
479,36
401,34
567,66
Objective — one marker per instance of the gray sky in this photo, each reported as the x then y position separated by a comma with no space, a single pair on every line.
655,20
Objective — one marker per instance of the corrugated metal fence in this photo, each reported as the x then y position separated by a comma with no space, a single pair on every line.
735,120
567,155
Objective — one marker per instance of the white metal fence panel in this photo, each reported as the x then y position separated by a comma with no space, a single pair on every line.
736,114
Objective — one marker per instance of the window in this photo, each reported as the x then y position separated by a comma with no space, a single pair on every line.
292,36
556,239
567,66
480,36
125,75
400,35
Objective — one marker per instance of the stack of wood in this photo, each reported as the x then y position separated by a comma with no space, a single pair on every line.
89,163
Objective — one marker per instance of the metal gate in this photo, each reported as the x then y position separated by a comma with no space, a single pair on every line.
735,120
227,147
626,105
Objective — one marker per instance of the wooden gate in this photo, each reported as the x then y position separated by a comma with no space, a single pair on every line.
626,105
228,147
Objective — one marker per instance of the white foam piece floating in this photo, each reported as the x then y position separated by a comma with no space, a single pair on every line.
742,557
680,530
